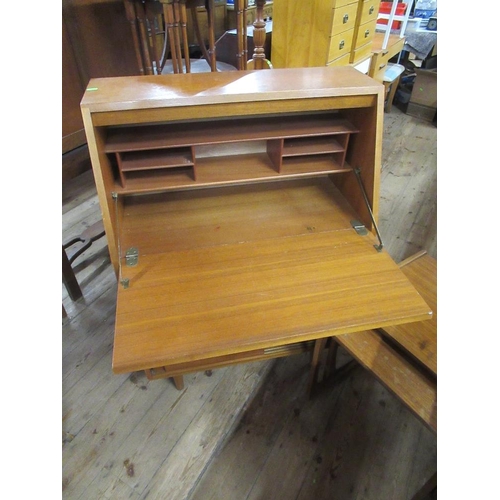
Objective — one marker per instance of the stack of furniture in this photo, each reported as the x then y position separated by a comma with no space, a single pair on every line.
240,212
395,20
323,33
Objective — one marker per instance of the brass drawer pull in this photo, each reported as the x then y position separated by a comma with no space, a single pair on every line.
372,9
367,32
341,45
346,18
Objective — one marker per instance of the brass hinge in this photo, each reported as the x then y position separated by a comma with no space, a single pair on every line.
359,227
131,256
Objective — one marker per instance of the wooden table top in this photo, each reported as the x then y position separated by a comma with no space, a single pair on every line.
249,267
420,339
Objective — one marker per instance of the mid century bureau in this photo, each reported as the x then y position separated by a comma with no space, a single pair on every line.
239,210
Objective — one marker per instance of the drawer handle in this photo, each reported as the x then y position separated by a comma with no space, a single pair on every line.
341,45
385,53
381,66
346,18
367,32
372,8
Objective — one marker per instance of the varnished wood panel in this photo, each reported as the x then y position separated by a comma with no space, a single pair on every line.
420,340
231,87
405,380
251,267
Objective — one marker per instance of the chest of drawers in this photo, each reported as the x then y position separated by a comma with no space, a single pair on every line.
322,32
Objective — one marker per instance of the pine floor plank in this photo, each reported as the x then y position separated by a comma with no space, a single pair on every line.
94,446
235,469
408,196
180,473
136,458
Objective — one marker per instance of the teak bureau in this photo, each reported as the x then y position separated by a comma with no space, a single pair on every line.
235,208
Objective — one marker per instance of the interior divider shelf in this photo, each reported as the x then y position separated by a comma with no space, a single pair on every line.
320,140
133,138
156,158
308,146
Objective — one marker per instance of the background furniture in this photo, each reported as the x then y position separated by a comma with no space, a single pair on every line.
241,269
381,56
159,30
219,23
71,250
395,20
74,247
323,32
227,45
250,13
402,357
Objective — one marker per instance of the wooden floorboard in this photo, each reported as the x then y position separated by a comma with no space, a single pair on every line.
248,431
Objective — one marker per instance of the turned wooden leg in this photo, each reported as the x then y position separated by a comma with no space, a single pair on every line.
179,382
131,18
259,60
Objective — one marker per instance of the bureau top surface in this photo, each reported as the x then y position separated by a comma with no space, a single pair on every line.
159,91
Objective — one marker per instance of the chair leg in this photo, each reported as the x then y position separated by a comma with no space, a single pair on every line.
211,34
182,22
209,54
173,37
132,19
331,360
69,278
141,19
153,11
319,345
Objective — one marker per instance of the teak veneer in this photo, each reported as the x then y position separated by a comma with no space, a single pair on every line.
229,201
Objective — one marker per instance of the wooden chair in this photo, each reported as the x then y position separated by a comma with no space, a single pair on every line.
72,249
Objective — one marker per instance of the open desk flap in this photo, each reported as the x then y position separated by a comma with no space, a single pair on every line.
229,271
